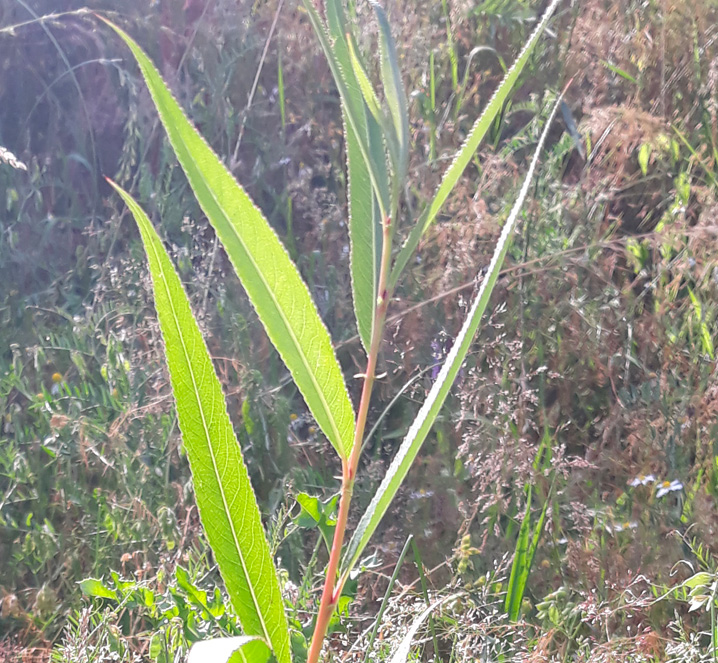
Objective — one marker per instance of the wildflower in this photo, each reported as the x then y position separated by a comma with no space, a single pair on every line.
629,525
642,480
666,487
621,527
57,378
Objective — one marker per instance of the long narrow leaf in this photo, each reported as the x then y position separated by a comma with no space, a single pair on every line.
347,92
383,125
526,546
367,89
394,93
359,115
225,499
466,152
440,389
365,207
365,236
387,595
514,591
274,286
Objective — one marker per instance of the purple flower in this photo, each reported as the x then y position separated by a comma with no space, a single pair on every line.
439,350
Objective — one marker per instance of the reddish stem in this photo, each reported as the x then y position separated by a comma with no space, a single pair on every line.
332,591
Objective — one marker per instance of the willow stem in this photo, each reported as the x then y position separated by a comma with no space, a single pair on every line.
332,590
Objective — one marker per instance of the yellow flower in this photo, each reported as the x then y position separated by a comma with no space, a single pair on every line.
57,377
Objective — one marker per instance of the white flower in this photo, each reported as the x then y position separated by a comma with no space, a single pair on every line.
643,480
668,487
620,527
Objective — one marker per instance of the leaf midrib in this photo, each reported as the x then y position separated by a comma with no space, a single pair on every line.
295,340
292,335
209,442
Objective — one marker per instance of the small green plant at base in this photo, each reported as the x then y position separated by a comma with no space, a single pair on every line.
377,145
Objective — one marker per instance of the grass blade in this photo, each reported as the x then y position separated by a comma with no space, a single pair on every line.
280,91
425,592
387,595
453,57
526,546
225,499
440,389
514,593
464,155
432,107
515,590
272,281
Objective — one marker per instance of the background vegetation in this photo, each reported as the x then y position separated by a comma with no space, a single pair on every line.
594,384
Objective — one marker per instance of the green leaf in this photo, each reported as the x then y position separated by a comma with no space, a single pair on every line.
366,238
195,595
337,54
700,579
394,93
618,71
644,155
225,499
94,587
238,649
315,513
514,592
364,141
440,389
683,187
367,89
524,554
466,152
706,338
274,286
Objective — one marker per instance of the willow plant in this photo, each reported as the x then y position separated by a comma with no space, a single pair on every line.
378,141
